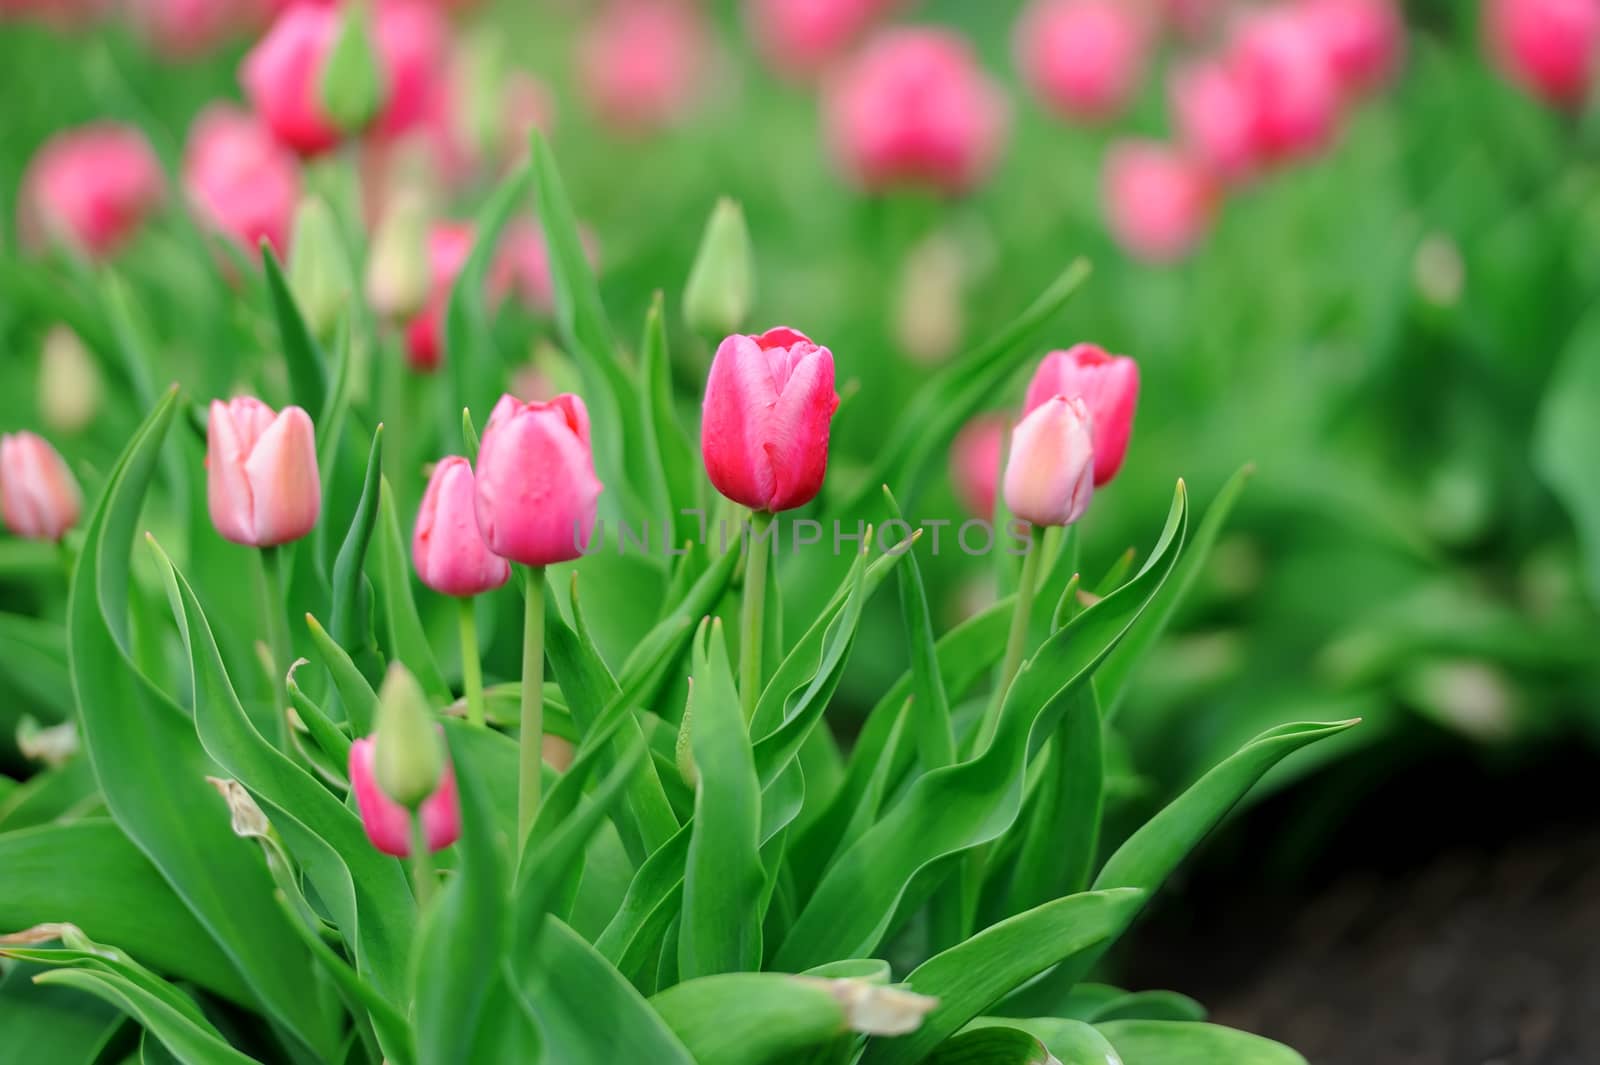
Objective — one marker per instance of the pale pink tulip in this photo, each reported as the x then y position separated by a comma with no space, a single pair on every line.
39,497
240,181
1159,202
1050,474
975,463
446,547
262,484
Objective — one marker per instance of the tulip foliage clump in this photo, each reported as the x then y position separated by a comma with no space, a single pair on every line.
335,830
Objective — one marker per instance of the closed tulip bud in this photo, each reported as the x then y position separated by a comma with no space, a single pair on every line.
91,188
768,406
1286,71
1159,202
449,552
387,822
69,381
280,77
319,271
408,756
39,497
239,180
975,463
1215,117
1363,39
351,89
399,276
1109,388
537,490
1050,474
722,282
1546,46
1083,58
262,483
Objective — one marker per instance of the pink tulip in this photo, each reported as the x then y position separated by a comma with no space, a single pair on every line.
800,37
975,463
412,39
261,472
449,245
282,77
1159,202
91,187
1050,474
240,181
1546,46
1083,58
764,430
1109,388
449,552
388,824
642,62
1362,39
39,497
916,108
1215,117
1290,82
537,491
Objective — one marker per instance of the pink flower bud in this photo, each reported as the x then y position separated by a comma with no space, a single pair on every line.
90,187
449,552
800,37
1050,474
1291,83
764,430
537,491
39,497
1109,388
1083,58
1546,46
975,463
1215,118
641,62
412,39
282,77
388,824
916,108
1362,39
261,472
1159,202
239,180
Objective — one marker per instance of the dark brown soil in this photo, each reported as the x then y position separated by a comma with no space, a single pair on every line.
1452,917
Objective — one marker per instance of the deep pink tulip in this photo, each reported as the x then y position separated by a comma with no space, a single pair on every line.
916,108
447,549
1362,39
800,37
282,77
240,181
1290,81
388,824
91,187
413,40
1083,58
1109,388
537,490
975,463
642,62
1215,117
1546,46
1050,473
768,407
39,497
261,472
1159,202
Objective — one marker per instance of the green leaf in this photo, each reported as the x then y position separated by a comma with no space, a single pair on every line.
991,1046
1073,1042
62,873
751,1018
678,471
930,705
1150,1006
36,662
151,767
351,621
51,1024
1185,1043
1567,439
972,976
390,569
308,371
722,887
191,1042
360,701
469,341
54,794
1063,828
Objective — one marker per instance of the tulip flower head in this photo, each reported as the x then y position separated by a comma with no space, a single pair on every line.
262,483
39,497
1050,474
1109,388
449,552
90,187
1546,46
1083,58
1290,80
1215,117
642,62
1159,202
768,407
800,37
239,180
975,463
1362,39
282,77
388,824
537,489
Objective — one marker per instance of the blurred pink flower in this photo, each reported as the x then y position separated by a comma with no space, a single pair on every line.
642,62
282,75
1109,387
185,28
1215,118
1546,46
1083,58
916,108
39,497
800,37
1291,84
1159,202
1362,39
240,181
413,40
90,186
975,463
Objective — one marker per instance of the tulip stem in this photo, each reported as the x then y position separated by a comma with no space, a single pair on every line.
421,862
274,594
530,778
752,626
1017,641
471,667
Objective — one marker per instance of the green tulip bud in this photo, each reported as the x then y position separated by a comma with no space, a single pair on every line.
408,752
319,270
398,277
69,381
721,284
352,88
